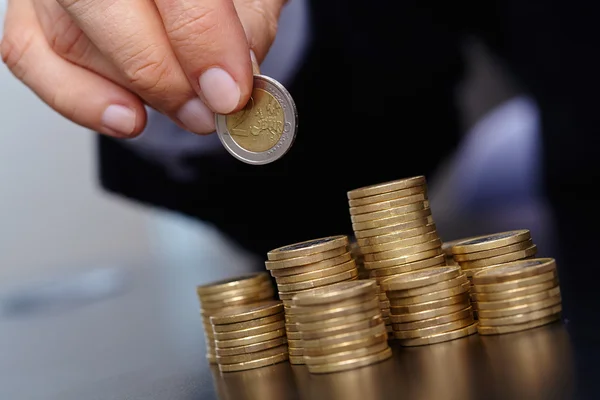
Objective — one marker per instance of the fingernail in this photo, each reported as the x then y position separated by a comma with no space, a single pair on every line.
197,117
255,66
119,119
220,90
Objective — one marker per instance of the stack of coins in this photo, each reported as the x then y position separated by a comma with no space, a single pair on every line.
363,273
249,337
447,249
341,326
517,296
430,306
303,266
394,228
482,252
241,290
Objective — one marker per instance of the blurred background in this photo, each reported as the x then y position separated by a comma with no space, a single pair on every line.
57,225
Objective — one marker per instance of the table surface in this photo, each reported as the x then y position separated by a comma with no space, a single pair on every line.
136,333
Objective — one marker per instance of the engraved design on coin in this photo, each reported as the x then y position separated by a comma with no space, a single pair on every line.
307,244
500,270
265,129
486,239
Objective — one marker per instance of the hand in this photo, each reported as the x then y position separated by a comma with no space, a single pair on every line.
97,62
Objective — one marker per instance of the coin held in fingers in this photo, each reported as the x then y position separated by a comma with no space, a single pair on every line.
265,129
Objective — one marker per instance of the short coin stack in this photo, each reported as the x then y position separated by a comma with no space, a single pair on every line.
394,228
303,266
517,296
248,337
482,252
241,290
341,326
430,306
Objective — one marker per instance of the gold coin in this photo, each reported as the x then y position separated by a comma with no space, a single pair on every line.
518,301
351,364
450,261
335,292
259,125
252,348
324,325
521,318
400,252
331,262
488,242
388,208
505,258
431,305
346,355
447,246
296,360
520,309
385,273
517,283
386,187
426,323
292,328
515,270
337,312
308,247
430,297
254,364
344,337
232,283
348,270
514,293
309,276
234,293
249,331
420,278
428,314
396,194
496,330
266,294
241,358
347,346
312,258
390,224
441,337
451,283
246,313
223,344
434,330
342,329
294,335
409,258
395,235
295,343
397,244
295,352
248,324
498,251
472,271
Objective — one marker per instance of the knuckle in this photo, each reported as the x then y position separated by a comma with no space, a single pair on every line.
148,71
68,40
13,49
269,18
193,21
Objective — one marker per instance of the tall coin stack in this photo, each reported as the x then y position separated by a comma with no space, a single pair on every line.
517,296
482,252
303,266
249,337
394,230
341,326
241,290
430,306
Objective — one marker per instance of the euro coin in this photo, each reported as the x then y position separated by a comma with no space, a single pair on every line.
254,363
434,330
395,235
342,329
498,251
296,360
396,194
519,301
266,293
411,241
514,293
294,335
366,341
431,305
246,313
252,348
515,284
515,270
351,364
420,278
488,242
428,314
237,282
335,293
349,272
384,273
317,266
241,358
386,187
399,252
308,247
514,256
325,325
450,283
521,318
340,312
346,355
265,129
441,337
439,320
262,337
520,309
312,258
386,225
389,208
295,352
250,331
323,273
431,297
344,337
236,293
409,258
248,324
496,330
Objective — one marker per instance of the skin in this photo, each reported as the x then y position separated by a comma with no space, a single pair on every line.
98,62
